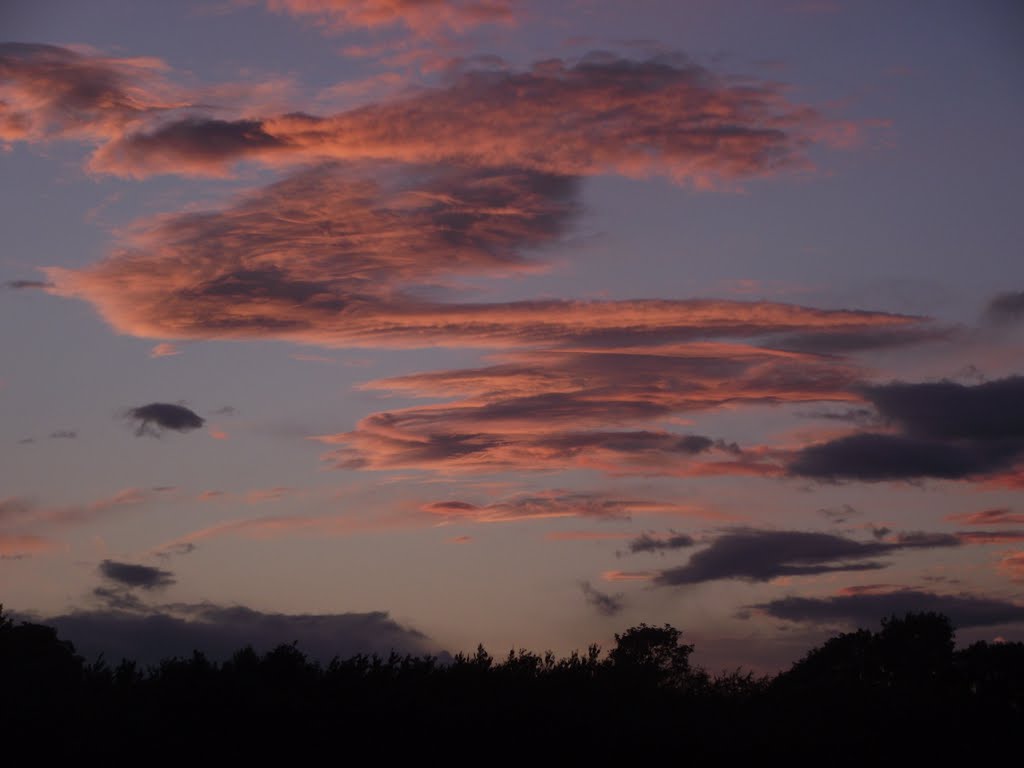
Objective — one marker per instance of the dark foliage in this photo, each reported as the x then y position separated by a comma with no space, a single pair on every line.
901,693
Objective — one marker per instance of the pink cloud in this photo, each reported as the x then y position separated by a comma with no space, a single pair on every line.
601,114
1013,566
14,546
1000,516
48,92
549,504
419,16
164,349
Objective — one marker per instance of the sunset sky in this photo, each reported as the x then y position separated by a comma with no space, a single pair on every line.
418,324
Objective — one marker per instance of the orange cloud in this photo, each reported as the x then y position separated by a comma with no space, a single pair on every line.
48,92
553,504
164,350
586,535
420,16
1013,565
628,575
17,546
591,408
602,114
1001,516
330,257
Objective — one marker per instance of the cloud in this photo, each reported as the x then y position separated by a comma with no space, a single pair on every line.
1013,565
605,604
1002,516
552,504
601,114
990,537
1006,308
864,608
218,631
646,542
155,418
131,575
946,410
946,430
589,408
23,511
15,546
762,555
164,349
23,285
49,92
188,146
64,434
420,16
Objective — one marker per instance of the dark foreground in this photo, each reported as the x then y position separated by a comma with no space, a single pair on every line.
899,695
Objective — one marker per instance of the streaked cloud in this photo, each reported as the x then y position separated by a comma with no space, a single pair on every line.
49,92
553,504
664,116
1000,516
420,16
762,555
865,608
151,634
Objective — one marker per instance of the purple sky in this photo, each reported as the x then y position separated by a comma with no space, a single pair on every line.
424,323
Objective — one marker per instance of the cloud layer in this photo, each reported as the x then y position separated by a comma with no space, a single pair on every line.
153,634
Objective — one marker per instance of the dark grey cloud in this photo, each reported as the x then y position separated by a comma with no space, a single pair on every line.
131,575
645,542
218,631
156,417
608,605
22,285
119,599
197,140
865,608
946,430
875,457
64,434
761,555
947,410
1006,308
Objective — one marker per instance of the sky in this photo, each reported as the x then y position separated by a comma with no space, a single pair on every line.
418,324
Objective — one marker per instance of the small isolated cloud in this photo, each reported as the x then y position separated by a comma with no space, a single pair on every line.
1006,308
647,542
155,418
164,349
140,576
23,285
605,604
862,608
63,434
461,539
762,555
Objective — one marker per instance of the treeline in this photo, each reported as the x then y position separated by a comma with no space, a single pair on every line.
903,692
